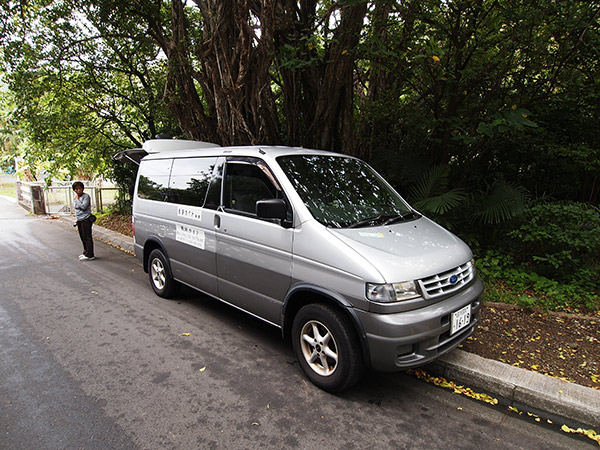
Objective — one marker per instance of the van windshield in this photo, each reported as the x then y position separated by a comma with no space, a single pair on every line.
343,192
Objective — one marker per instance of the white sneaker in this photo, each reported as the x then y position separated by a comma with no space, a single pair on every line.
81,256
85,258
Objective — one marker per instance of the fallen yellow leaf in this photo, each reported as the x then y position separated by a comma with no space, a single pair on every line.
589,433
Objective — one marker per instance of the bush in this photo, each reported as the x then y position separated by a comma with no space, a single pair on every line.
559,241
124,175
509,283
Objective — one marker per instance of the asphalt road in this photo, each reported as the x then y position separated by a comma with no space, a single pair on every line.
91,358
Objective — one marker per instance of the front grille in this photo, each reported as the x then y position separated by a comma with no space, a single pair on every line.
449,281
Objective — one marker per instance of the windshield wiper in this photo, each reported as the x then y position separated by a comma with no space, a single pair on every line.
368,221
402,217
384,219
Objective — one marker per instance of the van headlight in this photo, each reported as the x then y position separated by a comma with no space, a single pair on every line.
392,292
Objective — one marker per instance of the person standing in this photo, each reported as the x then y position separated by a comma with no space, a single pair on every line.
83,214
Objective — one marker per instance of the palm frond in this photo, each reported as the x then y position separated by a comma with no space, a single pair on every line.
502,202
441,204
432,183
430,194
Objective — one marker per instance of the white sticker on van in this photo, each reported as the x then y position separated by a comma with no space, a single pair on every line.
371,234
190,235
189,212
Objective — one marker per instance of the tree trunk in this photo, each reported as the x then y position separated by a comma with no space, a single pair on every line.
180,94
220,74
332,127
236,65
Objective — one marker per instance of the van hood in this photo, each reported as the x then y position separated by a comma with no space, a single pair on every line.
407,251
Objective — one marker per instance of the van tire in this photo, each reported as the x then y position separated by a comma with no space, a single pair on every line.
159,272
327,347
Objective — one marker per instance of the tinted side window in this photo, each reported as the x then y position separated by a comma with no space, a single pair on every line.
245,184
154,179
189,181
213,196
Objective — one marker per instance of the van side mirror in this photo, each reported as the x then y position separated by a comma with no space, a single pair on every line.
274,208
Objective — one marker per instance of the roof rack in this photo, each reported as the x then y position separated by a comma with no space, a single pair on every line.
162,145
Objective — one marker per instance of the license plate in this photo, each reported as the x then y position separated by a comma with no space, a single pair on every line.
460,319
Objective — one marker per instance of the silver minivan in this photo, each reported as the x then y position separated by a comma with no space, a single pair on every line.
313,242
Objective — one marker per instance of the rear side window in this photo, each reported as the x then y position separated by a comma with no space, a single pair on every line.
154,179
189,181
213,196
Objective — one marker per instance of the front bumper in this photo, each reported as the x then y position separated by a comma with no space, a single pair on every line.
410,339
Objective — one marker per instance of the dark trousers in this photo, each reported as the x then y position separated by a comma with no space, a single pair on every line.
85,233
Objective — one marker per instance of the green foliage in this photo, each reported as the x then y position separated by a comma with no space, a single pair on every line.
550,259
559,159
476,216
559,239
494,90
9,137
431,194
499,202
82,89
307,52
124,176
8,189
507,121
509,283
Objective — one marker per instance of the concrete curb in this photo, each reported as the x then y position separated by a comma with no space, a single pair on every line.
117,240
105,235
549,398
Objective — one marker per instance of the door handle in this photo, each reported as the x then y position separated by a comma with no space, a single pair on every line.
217,221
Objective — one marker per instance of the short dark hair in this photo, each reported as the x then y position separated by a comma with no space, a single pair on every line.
78,184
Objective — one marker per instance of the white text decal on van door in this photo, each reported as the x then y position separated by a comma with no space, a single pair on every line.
190,235
189,212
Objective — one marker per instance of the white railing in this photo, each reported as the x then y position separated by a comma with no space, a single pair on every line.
58,198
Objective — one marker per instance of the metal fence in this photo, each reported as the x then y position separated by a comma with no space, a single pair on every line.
58,198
